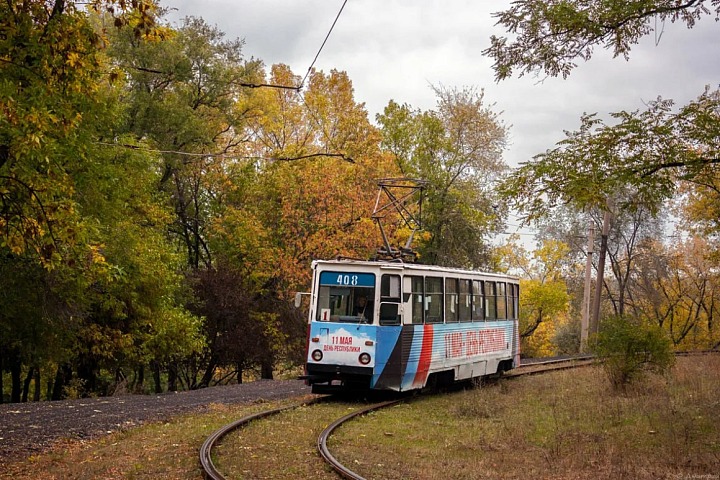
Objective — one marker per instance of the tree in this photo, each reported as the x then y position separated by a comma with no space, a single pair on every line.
631,231
552,35
186,101
50,70
649,151
629,348
80,220
457,150
677,290
182,97
700,209
321,143
543,292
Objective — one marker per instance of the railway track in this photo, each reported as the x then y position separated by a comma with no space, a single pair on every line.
211,472
209,469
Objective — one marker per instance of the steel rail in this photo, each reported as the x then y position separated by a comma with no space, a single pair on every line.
209,469
349,474
557,360
549,366
323,438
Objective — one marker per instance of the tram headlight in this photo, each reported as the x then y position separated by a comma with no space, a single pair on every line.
316,355
364,358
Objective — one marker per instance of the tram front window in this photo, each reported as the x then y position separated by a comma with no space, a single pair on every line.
348,298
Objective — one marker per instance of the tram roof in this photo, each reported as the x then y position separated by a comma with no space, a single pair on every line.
396,265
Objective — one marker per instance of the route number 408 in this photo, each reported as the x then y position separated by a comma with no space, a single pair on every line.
347,280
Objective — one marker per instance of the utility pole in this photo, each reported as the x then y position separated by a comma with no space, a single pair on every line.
585,323
595,323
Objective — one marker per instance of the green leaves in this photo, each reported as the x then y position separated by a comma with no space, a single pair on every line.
49,74
648,152
550,36
629,348
457,150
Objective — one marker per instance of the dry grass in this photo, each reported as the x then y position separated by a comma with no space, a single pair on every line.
563,425
282,446
156,450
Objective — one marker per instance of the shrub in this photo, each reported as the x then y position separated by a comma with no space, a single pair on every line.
630,347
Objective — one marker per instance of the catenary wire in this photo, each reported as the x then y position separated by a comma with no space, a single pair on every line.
323,45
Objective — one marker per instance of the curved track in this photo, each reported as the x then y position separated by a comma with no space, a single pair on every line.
206,449
322,439
529,369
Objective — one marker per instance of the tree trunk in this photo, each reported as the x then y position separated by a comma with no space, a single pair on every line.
2,371
595,320
26,385
36,378
57,385
156,376
62,377
15,371
266,370
209,373
172,377
139,386
239,373
49,388
87,371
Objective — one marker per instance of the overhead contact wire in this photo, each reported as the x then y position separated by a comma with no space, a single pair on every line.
323,44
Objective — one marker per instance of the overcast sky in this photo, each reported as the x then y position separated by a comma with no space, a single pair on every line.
394,50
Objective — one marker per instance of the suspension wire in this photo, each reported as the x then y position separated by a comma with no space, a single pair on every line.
323,45
270,85
230,155
315,119
297,90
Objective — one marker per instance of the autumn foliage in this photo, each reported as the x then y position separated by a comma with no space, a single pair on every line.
159,208
156,214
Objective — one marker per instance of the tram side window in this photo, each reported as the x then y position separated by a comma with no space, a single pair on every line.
390,300
451,300
511,303
478,306
516,301
501,300
418,302
464,300
433,300
490,301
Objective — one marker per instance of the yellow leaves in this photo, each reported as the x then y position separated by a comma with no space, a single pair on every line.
548,262
73,59
541,342
105,341
95,256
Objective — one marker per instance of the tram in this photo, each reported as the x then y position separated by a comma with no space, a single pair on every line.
376,325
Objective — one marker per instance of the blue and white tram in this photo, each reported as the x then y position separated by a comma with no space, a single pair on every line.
396,326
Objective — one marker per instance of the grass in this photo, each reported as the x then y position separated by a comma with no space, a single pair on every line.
282,446
156,450
562,425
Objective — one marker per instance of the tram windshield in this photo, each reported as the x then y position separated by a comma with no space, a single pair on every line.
346,297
